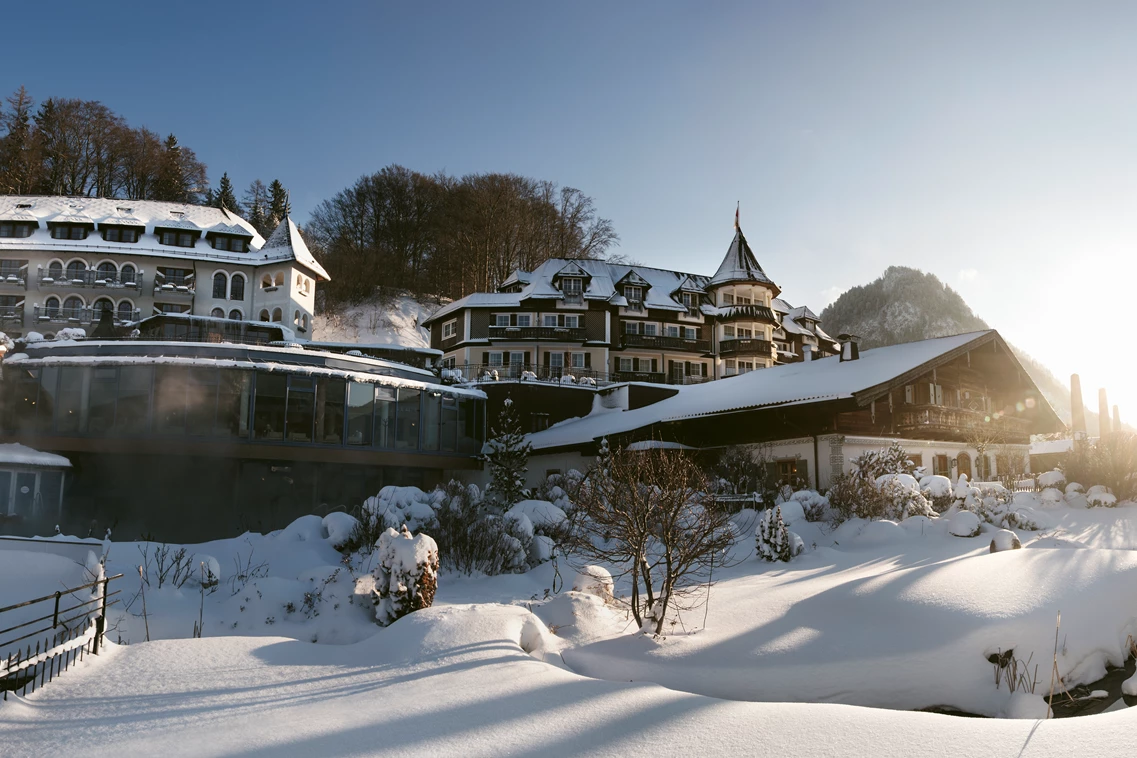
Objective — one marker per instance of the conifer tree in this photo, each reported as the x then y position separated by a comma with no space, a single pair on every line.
17,167
508,458
172,185
774,541
257,207
278,205
224,196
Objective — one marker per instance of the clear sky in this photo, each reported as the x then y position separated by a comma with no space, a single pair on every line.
990,143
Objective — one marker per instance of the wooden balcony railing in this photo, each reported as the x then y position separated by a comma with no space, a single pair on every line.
746,345
958,423
656,342
549,333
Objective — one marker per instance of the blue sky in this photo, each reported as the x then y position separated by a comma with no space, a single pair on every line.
990,143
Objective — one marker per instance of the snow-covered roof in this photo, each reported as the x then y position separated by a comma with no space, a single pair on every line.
151,214
1046,447
803,311
740,265
13,454
790,384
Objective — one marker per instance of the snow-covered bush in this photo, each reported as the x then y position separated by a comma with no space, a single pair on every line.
406,574
938,491
1052,496
1004,539
902,497
70,333
814,506
1053,478
774,541
1073,488
340,529
395,506
965,524
1110,462
594,580
873,464
508,458
31,337
853,497
1100,496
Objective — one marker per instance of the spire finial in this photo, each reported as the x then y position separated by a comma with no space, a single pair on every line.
736,207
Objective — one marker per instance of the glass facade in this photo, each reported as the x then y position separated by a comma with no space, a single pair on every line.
200,401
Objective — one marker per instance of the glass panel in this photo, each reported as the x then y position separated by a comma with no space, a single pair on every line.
104,388
431,418
465,424
5,492
50,493
170,386
268,421
406,435
329,410
233,404
19,414
25,496
69,409
385,417
133,413
301,404
449,423
201,401
360,404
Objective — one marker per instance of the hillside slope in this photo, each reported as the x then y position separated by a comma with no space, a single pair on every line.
385,319
905,304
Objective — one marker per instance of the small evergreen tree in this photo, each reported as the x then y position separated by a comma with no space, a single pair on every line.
278,205
172,185
256,207
775,542
224,197
508,458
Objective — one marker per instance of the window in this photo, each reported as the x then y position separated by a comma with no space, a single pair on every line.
571,285
672,331
75,270
745,332
304,323
264,315
55,270
501,319
689,332
72,307
128,274
449,329
578,360
385,405
538,422
625,364
235,315
407,420
296,318
233,404
237,287
731,365
220,286
549,319
573,321
301,408
632,327
431,419
517,359
266,281
728,332
68,232
119,234
556,360
651,330
279,282
268,421
232,244
277,315
217,313
727,299
178,239
11,268
171,308
51,306
634,294
106,272
103,304
9,229
329,410
495,359
360,405
524,319
745,366
909,394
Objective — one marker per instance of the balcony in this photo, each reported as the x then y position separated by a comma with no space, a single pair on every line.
940,422
167,286
746,345
14,279
548,333
574,298
635,306
640,376
80,316
759,313
91,278
12,314
655,342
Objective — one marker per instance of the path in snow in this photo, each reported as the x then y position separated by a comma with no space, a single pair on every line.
456,681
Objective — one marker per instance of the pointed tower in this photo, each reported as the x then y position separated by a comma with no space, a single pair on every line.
1103,414
1077,410
1116,420
740,265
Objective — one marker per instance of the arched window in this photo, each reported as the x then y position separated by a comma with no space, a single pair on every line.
277,315
299,280
128,275
217,313
55,270
296,318
107,271
51,306
75,269
304,322
235,315
220,284
264,315
279,279
72,307
237,287
103,304
266,281
125,310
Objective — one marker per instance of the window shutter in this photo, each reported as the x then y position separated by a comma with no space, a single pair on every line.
567,360
546,359
654,365
908,394
939,395
526,354
588,360
803,470
485,358
687,368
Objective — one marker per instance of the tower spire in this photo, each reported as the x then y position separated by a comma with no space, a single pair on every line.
736,207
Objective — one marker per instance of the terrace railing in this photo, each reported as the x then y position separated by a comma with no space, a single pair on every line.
657,342
548,333
12,314
65,627
90,278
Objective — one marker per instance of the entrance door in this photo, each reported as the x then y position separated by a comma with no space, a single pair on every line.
964,464
25,495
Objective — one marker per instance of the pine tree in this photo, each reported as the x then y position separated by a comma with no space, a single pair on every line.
508,458
774,541
17,166
172,185
257,207
278,206
224,196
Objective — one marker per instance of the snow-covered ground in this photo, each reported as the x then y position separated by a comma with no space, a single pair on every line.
391,321
894,616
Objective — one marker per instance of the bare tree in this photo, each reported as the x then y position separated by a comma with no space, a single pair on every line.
652,514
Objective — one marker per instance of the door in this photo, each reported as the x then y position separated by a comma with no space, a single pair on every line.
24,498
964,464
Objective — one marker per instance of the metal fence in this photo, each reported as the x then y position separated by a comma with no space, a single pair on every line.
77,628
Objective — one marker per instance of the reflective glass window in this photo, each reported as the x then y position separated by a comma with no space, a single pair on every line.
268,412
406,434
360,403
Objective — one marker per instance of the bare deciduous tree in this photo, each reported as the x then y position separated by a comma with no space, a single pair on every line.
651,513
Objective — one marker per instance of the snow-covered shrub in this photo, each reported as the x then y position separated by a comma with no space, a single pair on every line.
814,506
70,333
31,337
395,506
594,580
1053,478
902,497
965,524
873,464
937,490
774,541
1004,539
1100,496
340,529
853,497
1052,496
1074,488
1110,462
508,458
406,574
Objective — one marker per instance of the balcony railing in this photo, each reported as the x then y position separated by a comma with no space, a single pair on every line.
90,278
83,315
746,345
482,372
758,313
656,342
959,423
550,333
12,314
635,306
181,284
14,279
574,298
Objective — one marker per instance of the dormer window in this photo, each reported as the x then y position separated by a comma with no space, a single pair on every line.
634,294
15,229
120,234
68,232
571,285
232,244
178,239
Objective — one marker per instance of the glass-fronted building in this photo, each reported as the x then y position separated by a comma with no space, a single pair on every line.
194,441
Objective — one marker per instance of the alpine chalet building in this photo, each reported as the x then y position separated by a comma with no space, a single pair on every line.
595,321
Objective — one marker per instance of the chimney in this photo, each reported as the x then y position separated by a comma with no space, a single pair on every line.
1077,410
1103,414
849,349
807,353
1116,420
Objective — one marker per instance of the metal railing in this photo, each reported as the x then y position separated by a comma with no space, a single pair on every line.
516,372
90,278
84,315
14,278
12,314
77,628
183,284
551,333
